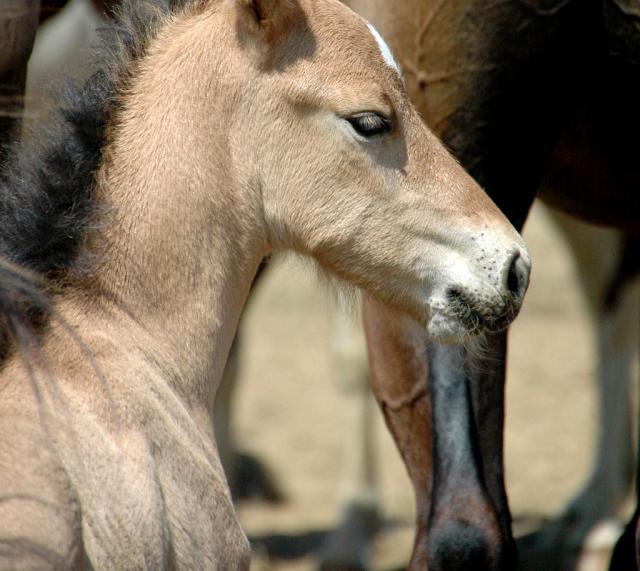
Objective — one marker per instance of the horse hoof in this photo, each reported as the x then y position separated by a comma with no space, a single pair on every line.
462,545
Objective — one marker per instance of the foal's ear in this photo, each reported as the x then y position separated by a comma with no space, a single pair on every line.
271,19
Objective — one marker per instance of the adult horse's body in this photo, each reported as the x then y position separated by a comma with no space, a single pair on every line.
225,130
528,95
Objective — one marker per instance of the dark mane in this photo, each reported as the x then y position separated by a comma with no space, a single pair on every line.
46,189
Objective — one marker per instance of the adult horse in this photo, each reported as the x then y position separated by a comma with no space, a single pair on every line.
538,94
221,131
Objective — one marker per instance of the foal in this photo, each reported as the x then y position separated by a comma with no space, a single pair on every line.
229,129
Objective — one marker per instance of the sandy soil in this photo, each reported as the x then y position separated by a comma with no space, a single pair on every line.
291,415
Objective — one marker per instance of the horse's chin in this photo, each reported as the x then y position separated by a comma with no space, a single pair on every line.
447,330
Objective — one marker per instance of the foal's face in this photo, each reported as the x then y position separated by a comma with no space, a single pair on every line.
350,175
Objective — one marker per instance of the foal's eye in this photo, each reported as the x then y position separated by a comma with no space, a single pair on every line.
369,124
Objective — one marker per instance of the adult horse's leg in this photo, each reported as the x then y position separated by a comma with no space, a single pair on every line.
621,22
445,412
462,514
468,466
626,554
246,475
346,546
613,301
480,74
470,523
18,25
397,363
604,261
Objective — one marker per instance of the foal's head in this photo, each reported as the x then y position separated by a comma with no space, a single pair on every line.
349,173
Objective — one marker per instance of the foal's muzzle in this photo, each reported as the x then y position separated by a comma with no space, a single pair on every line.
493,311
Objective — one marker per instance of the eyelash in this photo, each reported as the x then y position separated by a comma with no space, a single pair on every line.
369,124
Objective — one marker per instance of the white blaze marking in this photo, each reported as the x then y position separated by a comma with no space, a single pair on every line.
384,49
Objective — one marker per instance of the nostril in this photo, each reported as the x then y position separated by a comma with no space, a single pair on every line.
517,276
513,281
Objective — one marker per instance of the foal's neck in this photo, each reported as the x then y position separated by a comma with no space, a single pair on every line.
180,231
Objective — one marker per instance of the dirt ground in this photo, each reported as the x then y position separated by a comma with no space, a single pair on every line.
290,414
